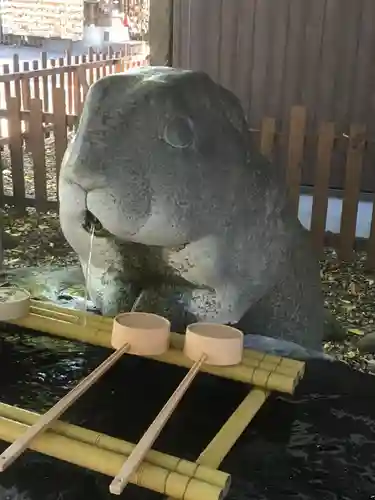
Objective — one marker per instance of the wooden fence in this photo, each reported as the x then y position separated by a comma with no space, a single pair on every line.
39,108
292,146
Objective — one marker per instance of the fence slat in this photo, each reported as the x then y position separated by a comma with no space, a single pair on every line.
77,87
25,92
36,146
36,81
105,65
326,140
46,103
53,75
119,66
91,72
267,137
60,125
97,72
70,83
82,78
110,64
352,190
16,151
61,77
16,68
7,95
295,153
25,88
82,81
7,92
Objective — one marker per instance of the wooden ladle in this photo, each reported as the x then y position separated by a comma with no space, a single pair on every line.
14,303
130,334
204,343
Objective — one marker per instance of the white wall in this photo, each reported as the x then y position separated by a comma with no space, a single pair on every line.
364,215
94,36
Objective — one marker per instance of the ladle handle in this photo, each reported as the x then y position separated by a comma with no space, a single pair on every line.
142,448
21,444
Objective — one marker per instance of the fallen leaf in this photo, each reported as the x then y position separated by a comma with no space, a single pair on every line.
355,331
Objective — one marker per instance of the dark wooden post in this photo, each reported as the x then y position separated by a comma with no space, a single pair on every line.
160,32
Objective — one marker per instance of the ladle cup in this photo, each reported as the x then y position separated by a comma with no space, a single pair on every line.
14,303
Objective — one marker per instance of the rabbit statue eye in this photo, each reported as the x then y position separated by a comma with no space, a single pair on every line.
179,132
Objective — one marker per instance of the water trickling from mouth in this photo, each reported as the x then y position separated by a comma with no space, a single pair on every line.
87,272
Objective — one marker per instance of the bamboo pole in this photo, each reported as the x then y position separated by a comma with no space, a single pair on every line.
269,380
103,441
108,463
256,359
230,432
221,444
152,433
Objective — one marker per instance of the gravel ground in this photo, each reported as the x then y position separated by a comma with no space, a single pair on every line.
349,288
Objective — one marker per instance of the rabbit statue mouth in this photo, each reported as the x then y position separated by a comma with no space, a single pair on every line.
92,223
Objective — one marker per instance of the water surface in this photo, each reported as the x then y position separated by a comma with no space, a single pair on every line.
320,444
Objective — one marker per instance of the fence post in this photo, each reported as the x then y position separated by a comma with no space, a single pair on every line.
25,90
160,32
45,83
37,147
353,172
60,129
16,151
295,153
91,71
326,140
82,81
76,88
119,66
